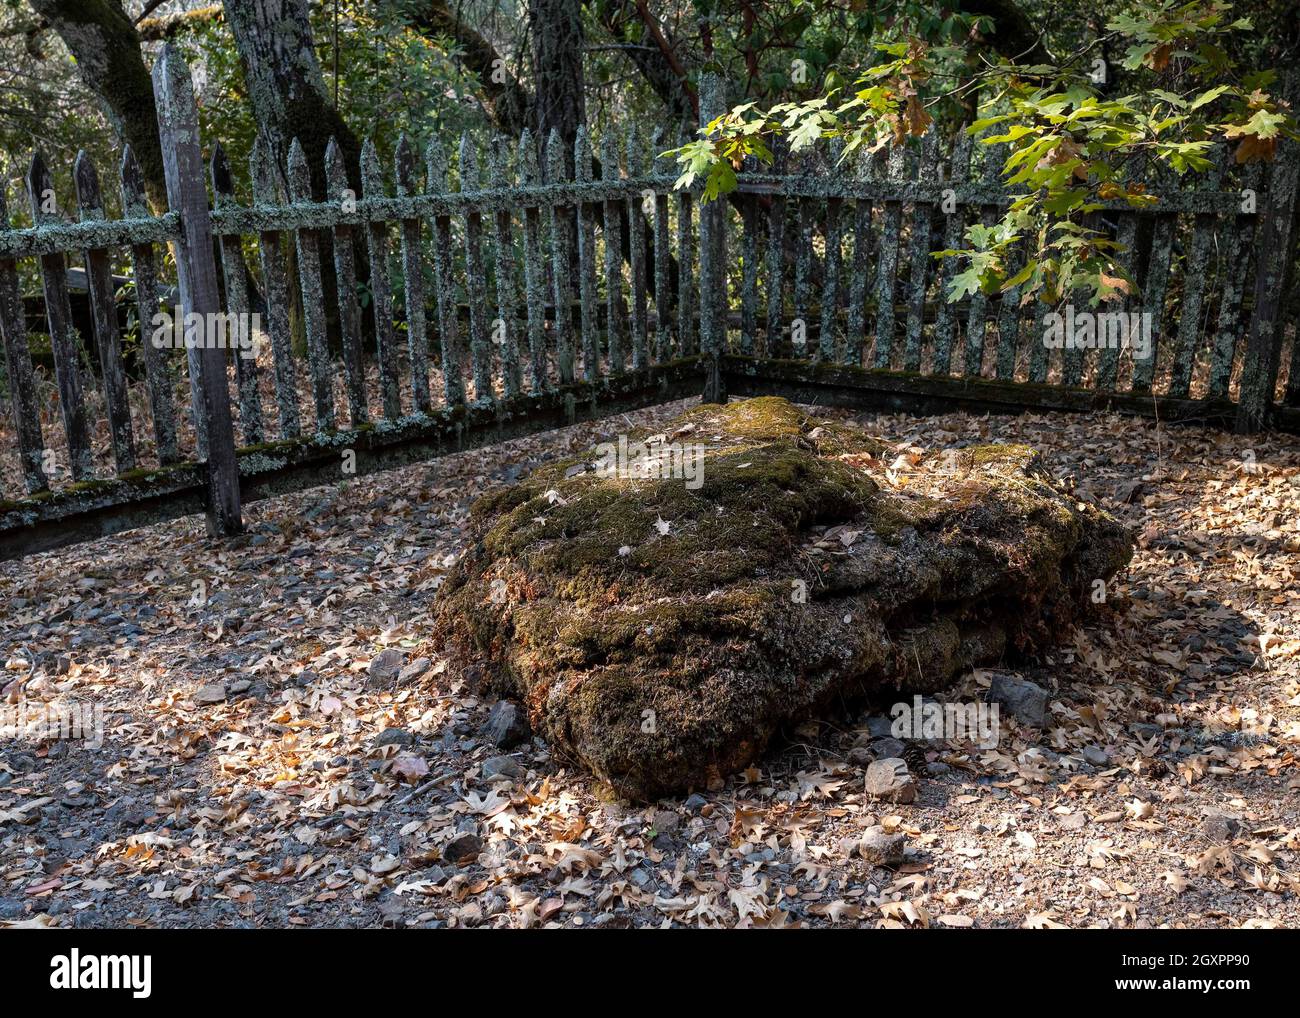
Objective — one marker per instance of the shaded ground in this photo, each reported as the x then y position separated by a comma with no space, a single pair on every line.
1163,791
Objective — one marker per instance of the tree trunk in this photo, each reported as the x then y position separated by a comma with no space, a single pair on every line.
106,47
559,97
286,88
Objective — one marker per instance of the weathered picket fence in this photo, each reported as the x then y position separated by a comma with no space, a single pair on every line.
837,299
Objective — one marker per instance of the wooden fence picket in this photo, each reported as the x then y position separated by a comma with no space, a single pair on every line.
235,274
18,364
63,338
848,243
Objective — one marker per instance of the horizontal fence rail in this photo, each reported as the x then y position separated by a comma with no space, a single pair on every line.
453,296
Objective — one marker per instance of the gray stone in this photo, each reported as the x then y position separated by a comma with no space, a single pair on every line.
414,670
384,668
1096,756
1024,699
506,725
212,693
884,749
462,849
1220,827
435,874
666,821
394,737
879,848
891,781
503,768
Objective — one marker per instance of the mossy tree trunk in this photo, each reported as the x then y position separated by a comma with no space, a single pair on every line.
106,47
286,90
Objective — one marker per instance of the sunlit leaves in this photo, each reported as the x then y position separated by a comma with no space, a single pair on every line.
1067,147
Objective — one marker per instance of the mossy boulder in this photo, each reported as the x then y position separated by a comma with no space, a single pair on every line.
663,620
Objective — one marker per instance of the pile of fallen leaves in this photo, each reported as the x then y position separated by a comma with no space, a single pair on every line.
281,747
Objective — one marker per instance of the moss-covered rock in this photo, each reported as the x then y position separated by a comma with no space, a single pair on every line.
662,629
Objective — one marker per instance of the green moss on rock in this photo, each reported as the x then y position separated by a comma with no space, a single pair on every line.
662,632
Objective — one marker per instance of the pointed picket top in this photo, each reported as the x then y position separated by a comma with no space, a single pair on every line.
266,190
866,164
554,158
404,167
929,165
498,162
582,155
897,162
660,164
336,171
959,167
134,204
299,175
1212,179
86,180
40,191
468,164
609,161
223,183
372,181
435,166
834,164
173,85
528,170
634,152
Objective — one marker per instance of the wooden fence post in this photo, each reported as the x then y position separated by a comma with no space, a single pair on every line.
713,273
1272,261
196,272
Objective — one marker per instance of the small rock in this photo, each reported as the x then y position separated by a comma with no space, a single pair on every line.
1220,827
239,686
880,727
414,670
503,768
891,780
695,802
1096,756
666,821
506,726
394,737
1025,699
462,849
885,749
877,848
391,910
212,693
384,668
